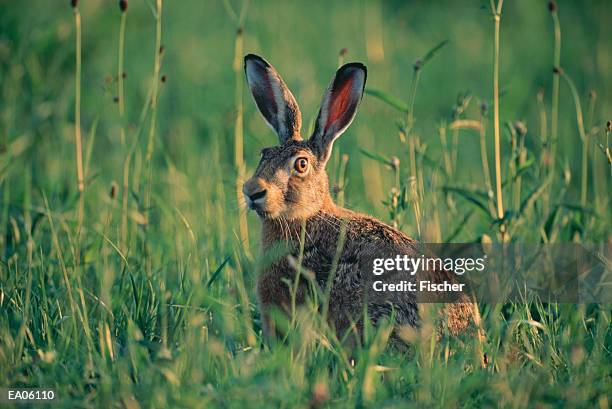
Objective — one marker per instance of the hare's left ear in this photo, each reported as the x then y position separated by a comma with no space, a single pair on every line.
338,107
273,98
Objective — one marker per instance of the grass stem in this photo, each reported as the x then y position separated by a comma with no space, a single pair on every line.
410,122
78,143
498,177
153,125
410,135
121,75
239,164
583,137
298,273
485,161
239,135
554,115
121,104
154,94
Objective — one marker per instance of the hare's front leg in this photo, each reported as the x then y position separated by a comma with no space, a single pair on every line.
275,296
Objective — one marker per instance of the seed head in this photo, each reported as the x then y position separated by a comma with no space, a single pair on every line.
520,128
547,158
593,94
343,52
162,49
239,31
567,175
609,126
124,75
164,78
113,191
74,3
417,65
394,162
552,6
558,70
484,108
123,5
395,193
115,99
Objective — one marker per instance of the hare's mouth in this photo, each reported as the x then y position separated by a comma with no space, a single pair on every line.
262,213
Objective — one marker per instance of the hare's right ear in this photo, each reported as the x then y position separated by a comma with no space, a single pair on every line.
338,107
273,98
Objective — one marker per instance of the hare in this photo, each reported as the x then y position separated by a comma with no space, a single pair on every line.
290,189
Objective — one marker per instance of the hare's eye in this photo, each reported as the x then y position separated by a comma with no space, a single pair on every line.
301,165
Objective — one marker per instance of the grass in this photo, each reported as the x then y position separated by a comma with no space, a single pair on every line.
148,300
553,8
78,144
496,11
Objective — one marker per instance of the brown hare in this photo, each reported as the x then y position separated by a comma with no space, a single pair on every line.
290,189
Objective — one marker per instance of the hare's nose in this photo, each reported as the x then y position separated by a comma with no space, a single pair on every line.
254,190
257,195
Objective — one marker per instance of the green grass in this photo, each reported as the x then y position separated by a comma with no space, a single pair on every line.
151,302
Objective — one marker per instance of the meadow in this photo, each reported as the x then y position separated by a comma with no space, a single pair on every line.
128,260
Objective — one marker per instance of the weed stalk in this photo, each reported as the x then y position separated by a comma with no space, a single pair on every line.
239,134
239,112
496,10
412,142
154,94
583,136
121,104
554,119
78,143
484,157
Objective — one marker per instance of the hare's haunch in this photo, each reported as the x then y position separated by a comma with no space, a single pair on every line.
290,189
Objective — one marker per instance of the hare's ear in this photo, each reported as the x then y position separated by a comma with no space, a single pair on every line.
273,98
338,107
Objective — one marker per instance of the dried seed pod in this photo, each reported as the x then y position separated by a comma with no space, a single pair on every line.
484,108
394,162
123,5
74,3
520,128
113,191
552,6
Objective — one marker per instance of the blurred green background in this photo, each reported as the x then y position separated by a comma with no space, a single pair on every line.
302,40
169,318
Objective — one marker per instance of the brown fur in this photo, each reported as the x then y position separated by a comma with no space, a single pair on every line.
285,199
